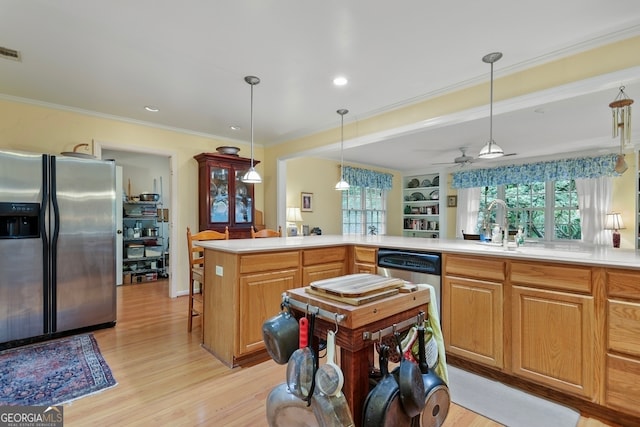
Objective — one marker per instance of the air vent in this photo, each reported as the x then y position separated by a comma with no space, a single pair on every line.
7,53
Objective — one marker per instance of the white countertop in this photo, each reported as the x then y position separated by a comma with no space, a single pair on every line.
575,253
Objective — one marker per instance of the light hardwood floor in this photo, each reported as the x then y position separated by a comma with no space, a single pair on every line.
165,378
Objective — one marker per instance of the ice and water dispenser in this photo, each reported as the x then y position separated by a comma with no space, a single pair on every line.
19,220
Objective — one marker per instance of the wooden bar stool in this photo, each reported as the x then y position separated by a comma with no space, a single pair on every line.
196,271
267,232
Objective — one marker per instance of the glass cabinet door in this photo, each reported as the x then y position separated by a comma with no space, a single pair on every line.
244,203
219,189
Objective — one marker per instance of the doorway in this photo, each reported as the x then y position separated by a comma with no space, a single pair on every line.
146,170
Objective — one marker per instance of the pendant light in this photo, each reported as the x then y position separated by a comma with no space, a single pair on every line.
252,176
342,185
491,150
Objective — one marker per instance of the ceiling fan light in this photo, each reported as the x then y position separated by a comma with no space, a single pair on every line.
252,176
491,150
342,185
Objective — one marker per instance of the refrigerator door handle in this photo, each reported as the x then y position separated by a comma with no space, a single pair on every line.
44,235
55,232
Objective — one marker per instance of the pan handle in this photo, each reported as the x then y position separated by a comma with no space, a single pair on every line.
312,325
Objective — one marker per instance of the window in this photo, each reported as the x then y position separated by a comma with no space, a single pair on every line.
364,211
535,207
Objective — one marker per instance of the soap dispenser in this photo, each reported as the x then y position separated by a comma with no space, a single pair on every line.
496,236
519,237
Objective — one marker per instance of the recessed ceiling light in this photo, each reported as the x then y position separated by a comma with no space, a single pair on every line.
340,81
235,127
151,108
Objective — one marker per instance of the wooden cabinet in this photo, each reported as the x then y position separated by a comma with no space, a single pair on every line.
422,206
365,260
223,199
553,326
241,292
323,263
622,385
472,308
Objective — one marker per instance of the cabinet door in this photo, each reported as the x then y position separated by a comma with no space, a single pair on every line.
322,271
553,339
623,383
473,320
243,212
260,298
359,267
219,211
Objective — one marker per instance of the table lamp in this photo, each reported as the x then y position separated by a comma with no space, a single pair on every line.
293,217
614,222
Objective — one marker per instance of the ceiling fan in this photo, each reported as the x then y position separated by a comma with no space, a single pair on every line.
461,160
464,160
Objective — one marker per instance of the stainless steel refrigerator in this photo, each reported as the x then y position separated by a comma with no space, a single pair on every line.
57,246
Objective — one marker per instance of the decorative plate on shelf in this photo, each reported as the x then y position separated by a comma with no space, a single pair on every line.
435,181
435,195
413,183
425,183
417,197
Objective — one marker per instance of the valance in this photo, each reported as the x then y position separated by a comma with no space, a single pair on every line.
586,167
367,178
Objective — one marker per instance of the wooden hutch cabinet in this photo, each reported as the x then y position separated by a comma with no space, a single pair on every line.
223,199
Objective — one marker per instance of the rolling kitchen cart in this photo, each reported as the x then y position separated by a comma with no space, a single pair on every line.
359,328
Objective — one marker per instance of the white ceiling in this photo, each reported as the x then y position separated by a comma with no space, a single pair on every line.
189,59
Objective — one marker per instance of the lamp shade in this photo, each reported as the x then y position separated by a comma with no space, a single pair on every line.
614,222
294,215
491,150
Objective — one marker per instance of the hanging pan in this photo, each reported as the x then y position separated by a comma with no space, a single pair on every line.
410,383
382,407
436,392
284,409
300,368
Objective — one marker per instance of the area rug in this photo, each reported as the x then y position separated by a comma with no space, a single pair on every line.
53,372
506,405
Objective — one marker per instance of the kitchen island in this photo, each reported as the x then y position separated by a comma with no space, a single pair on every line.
561,321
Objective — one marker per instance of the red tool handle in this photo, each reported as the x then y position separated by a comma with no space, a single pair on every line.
304,332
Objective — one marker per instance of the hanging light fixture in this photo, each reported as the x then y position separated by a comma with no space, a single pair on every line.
491,150
252,176
621,110
342,185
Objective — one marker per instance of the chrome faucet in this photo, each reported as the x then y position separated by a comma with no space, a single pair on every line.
505,222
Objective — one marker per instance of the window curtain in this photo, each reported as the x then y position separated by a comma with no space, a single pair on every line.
367,178
594,202
579,168
467,211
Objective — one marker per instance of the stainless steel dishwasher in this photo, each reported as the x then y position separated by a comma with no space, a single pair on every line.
413,266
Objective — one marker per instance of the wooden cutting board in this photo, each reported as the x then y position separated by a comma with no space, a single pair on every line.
356,285
354,300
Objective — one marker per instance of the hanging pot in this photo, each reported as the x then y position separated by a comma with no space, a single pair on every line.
436,392
280,334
